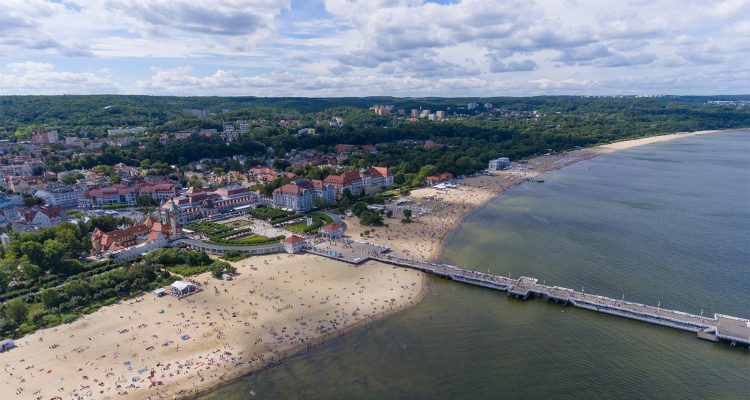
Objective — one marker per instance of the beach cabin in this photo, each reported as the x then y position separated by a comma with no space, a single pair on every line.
182,288
6,345
293,244
160,292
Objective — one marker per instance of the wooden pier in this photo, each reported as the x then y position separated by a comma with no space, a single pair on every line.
724,328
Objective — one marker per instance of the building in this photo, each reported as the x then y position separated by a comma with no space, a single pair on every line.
499,163
440,115
382,110
198,113
151,230
160,192
332,231
21,168
25,184
345,148
348,180
73,141
126,171
118,238
115,194
376,178
126,131
42,218
369,180
433,180
293,244
63,196
196,203
182,135
49,137
300,195
230,136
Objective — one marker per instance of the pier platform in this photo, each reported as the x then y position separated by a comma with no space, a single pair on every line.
721,328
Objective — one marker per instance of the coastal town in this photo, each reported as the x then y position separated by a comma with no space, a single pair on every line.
255,217
147,259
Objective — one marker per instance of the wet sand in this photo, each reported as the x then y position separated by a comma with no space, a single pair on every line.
423,238
278,305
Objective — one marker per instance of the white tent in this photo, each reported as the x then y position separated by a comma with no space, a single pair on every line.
183,288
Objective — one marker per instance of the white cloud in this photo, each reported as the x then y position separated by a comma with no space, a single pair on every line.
42,78
368,47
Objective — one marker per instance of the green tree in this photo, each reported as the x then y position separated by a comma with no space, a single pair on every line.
16,311
407,214
51,298
54,252
34,251
31,272
5,279
217,268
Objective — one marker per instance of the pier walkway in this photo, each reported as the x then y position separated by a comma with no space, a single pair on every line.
733,330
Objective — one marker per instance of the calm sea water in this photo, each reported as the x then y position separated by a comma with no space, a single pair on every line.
668,223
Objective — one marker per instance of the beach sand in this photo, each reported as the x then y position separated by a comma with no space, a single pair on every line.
423,238
277,305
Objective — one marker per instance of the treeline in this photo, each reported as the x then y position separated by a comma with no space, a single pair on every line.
103,285
32,259
65,303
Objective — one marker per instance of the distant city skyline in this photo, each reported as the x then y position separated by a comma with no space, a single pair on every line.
375,47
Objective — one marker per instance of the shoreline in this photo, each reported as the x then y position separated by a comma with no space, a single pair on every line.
427,236
299,350
150,348
600,150
442,226
450,230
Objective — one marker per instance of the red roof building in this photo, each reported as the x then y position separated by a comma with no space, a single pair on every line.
293,244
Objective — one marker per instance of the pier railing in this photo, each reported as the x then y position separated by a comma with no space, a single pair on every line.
731,329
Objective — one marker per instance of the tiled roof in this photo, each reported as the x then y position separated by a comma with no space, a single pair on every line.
293,239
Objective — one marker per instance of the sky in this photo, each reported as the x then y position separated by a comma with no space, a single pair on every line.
337,48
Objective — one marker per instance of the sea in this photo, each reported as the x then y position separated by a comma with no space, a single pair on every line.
666,224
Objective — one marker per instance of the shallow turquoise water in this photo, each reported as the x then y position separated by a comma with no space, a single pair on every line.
666,223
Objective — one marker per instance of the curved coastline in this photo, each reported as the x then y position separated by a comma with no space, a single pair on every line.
449,231
444,231
580,155
300,349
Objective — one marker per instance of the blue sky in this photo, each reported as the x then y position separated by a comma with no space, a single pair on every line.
375,47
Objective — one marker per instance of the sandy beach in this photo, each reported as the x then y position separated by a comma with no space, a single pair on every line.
423,238
150,348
